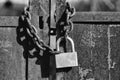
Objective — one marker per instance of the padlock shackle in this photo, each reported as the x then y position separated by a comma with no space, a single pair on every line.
68,38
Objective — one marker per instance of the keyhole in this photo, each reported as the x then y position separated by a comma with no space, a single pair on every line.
8,4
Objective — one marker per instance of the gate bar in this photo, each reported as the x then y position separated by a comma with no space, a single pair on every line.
96,22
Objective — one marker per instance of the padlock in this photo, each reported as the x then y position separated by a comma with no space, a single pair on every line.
66,59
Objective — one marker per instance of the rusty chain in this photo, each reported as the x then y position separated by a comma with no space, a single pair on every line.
69,12
27,33
28,38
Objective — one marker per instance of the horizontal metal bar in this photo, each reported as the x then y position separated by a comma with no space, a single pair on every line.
8,26
96,22
96,16
6,21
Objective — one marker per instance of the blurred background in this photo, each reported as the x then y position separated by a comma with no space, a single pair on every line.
12,7
96,5
16,7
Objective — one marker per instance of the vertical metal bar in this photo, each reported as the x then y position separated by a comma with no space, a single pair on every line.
52,7
52,23
26,68
109,53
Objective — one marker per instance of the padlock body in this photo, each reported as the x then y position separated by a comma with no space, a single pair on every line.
68,59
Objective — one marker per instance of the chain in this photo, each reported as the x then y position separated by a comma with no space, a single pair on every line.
70,12
27,33
28,38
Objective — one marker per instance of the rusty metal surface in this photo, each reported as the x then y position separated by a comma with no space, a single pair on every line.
40,7
98,48
115,50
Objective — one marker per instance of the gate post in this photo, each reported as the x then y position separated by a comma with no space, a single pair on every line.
56,10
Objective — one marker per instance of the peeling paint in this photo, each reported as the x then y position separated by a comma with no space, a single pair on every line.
86,39
90,37
113,65
90,79
83,73
92,43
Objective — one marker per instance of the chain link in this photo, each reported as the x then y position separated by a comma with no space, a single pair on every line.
28,38
70,12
